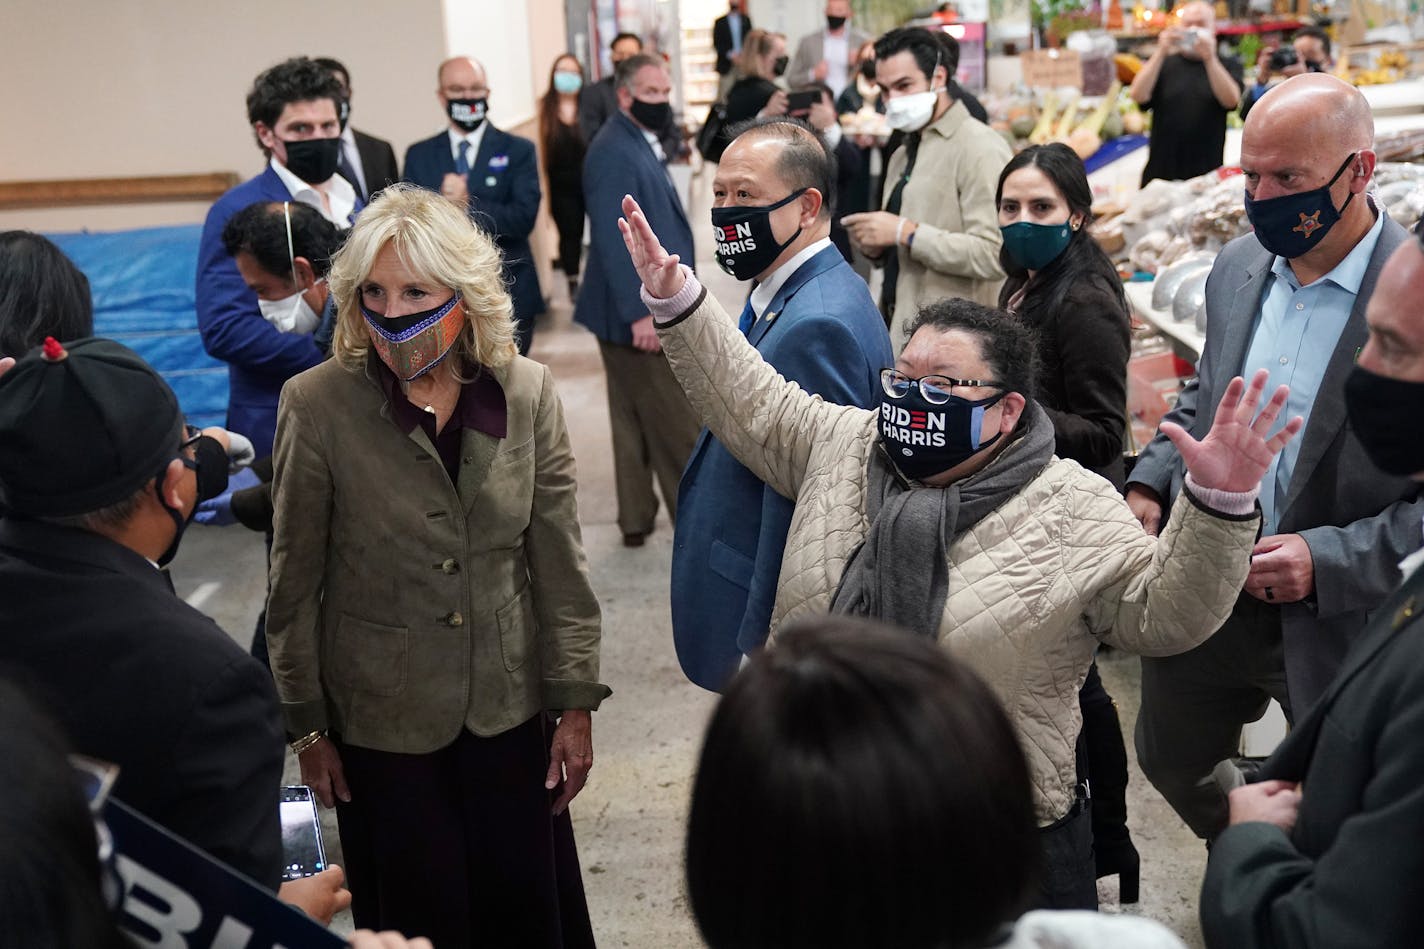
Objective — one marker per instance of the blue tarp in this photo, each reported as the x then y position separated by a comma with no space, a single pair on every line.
143,281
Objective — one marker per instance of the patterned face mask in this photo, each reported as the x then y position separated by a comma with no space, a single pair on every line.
416,343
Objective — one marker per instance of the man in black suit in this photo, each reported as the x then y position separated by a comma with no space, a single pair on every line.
727,34
1323,848
369,163
493,174
98,477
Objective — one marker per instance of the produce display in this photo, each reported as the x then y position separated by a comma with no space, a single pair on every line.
1083,123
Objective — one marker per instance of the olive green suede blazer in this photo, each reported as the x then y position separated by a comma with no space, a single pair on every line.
403,607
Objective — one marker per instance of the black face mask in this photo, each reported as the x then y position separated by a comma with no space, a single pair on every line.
653,116
867,69
467,113
779,66
744,243
835,22
210,464
1378,408
314,159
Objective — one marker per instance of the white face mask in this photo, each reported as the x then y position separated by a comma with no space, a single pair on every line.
912,112
290,314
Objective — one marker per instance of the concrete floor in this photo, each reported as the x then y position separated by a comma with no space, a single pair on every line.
630,818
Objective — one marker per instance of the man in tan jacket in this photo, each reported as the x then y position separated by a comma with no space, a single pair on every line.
939,232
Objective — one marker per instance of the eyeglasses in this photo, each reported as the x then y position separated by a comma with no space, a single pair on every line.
935,389
190,437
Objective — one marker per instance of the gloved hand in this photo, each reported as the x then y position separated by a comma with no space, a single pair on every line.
240,452
218,511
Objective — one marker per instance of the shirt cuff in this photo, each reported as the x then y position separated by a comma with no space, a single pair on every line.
1234,503
664,311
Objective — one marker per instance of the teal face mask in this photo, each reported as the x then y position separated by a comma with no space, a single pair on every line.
567,82
1035,246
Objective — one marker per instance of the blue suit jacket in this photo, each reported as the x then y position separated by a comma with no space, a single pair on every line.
259,356
504,201
822,331
620,161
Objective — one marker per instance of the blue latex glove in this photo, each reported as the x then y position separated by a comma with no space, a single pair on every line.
218,511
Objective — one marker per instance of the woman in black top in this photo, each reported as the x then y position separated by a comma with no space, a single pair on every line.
1062,284
755,93
563,148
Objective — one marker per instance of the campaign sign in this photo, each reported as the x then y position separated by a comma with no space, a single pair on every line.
177,897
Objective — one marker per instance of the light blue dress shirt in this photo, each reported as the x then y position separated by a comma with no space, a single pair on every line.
1297,330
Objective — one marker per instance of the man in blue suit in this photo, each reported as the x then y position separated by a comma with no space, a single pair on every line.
809,315
490,173
293,108
653,426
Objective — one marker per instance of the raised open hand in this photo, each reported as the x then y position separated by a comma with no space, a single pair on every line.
657,268
1236,452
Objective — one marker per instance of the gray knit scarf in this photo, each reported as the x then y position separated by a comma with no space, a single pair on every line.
899,573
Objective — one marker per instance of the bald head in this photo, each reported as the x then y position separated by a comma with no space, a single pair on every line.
460,70
1197,14
785,154
1317,110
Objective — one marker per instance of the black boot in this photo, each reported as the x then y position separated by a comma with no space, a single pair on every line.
1104,756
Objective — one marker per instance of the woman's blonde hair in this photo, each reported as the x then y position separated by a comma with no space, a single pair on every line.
436,240
755,48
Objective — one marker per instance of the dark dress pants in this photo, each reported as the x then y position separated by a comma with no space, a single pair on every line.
461,846
1194,704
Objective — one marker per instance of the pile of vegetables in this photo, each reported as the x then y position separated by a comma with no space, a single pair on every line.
1059,121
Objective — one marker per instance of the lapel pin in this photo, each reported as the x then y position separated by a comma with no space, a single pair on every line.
1405,614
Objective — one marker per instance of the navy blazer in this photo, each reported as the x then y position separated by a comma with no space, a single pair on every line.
620,161
259,356
822,331
1351,871
504,202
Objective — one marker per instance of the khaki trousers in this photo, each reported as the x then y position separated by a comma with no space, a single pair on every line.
654,431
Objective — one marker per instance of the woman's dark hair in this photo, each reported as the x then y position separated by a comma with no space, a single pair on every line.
42,294
50,889
261,230
1083,258
858,787
549,104
1007,343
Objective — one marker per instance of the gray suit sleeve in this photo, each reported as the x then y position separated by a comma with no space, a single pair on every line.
1357,566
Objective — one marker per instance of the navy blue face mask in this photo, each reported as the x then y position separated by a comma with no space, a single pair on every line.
1292,225
924,439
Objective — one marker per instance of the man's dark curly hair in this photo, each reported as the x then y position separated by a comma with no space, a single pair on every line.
297,80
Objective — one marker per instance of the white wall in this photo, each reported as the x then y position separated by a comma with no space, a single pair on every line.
100,89
497,34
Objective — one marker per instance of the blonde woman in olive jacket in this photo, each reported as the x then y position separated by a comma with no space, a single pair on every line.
430,611
1025,593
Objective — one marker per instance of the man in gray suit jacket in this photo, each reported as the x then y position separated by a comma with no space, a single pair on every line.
1323,850
1290,298
828,55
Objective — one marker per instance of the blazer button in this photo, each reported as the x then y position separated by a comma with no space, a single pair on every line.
450,566
455,619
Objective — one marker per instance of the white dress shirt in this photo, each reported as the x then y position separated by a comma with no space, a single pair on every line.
474,138
766,291
835,50
353,157
337,189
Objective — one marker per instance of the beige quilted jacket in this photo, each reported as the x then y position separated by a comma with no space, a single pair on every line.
1033,587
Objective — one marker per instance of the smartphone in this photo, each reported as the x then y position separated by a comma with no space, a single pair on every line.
799,102
302,852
